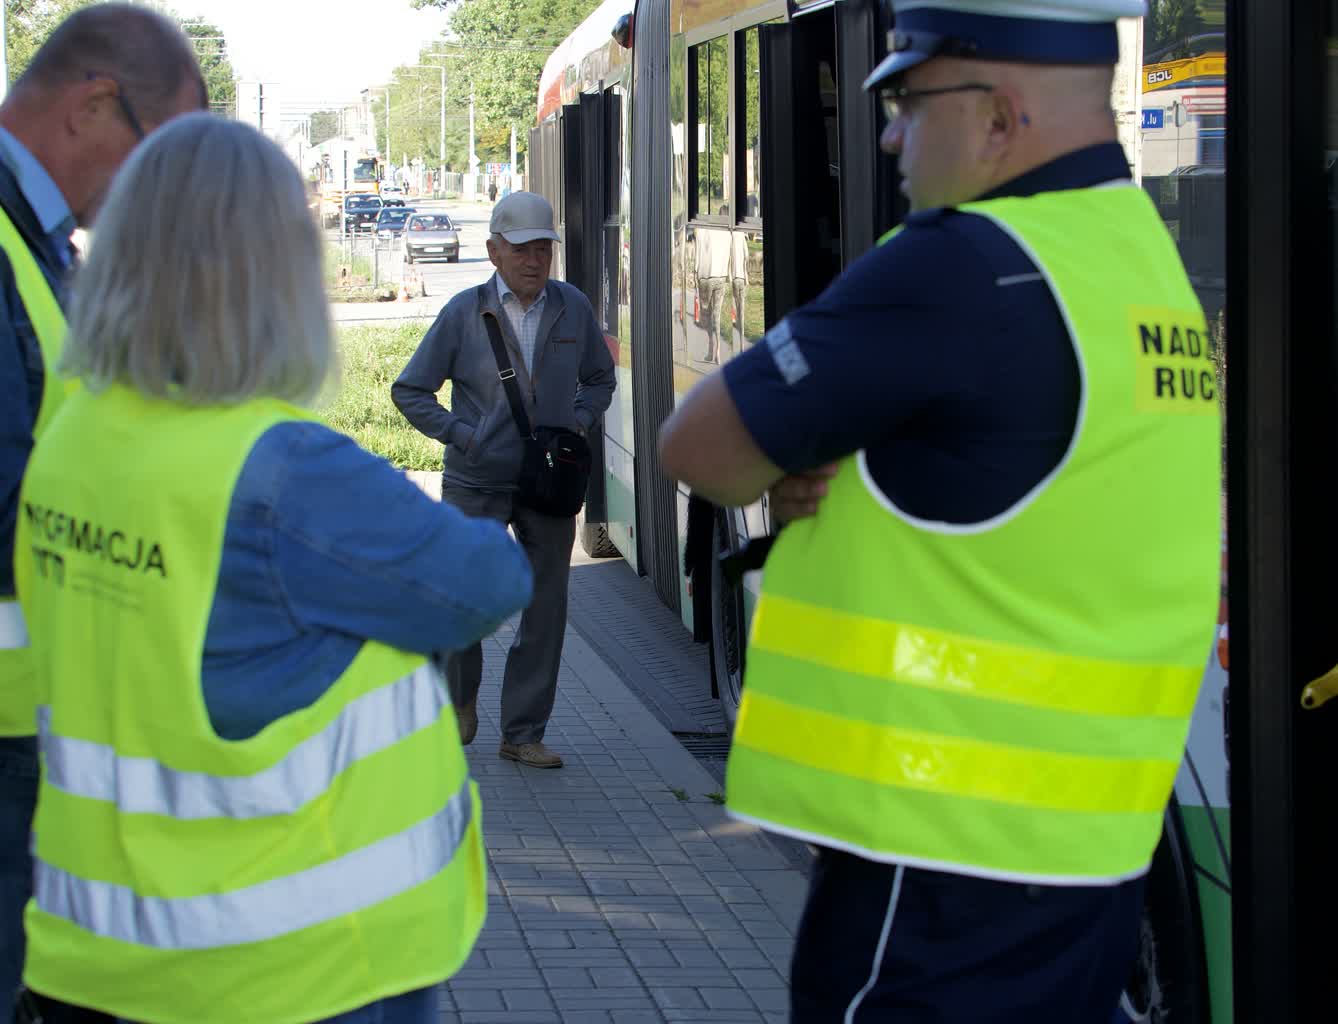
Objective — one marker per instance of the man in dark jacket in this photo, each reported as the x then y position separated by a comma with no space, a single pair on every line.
566,378
107,75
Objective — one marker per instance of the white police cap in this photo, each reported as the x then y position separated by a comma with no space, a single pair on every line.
1027,31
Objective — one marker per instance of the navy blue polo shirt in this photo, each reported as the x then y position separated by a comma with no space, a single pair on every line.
942,353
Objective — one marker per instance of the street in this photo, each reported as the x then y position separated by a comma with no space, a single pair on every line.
441,280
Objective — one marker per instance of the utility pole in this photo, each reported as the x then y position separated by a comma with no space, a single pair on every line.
472,164
441,152
473,157
513,157
441,146
4,52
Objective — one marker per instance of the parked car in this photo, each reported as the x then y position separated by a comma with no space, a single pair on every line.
391,222
431,236
392,195
361,210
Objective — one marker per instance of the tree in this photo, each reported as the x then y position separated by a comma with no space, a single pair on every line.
1171,23
324,125
414,94
498,51
28,23
211,48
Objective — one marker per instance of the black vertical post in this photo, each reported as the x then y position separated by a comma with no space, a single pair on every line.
1282,450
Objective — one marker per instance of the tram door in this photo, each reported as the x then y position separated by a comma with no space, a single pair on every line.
831,194
570,165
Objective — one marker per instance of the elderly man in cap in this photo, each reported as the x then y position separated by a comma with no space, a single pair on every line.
565,373
971,669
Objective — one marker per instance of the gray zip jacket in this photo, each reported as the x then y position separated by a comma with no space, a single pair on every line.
571,386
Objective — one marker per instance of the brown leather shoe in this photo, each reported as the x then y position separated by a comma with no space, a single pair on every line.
536,755
467,718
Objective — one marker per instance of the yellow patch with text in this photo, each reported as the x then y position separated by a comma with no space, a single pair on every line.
1174,362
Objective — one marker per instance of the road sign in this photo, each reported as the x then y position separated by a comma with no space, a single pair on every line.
1154,118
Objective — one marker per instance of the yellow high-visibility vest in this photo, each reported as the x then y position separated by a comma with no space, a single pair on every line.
331,860
1010,699
17,703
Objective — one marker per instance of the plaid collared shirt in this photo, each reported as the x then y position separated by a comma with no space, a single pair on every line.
524,322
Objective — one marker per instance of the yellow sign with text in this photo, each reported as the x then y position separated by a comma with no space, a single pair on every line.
1174,356
1173,73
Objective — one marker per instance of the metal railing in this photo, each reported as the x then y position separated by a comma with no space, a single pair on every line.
380,260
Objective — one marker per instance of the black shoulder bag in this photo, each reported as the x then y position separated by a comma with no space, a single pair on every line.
555,467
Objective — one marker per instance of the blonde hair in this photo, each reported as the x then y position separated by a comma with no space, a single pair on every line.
204,282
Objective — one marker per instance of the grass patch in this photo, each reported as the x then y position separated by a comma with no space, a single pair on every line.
385,293
679,794
716,798
346,269
349,276
371,358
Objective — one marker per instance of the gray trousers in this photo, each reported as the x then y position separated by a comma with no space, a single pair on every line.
529,685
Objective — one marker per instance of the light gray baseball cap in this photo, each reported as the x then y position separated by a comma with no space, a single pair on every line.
522,217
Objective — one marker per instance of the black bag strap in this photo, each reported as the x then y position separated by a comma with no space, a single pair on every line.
506,374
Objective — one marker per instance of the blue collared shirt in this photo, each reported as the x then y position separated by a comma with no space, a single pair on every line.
43,194
524,322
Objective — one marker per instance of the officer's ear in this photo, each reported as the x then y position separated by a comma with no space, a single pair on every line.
1007,120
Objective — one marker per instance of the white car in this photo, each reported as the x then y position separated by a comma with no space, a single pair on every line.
392,195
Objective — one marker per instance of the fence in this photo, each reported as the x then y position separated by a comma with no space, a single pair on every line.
475,186
378,260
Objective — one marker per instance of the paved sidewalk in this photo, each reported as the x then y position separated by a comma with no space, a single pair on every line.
619,891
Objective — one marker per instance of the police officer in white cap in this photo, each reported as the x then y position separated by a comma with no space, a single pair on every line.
971,669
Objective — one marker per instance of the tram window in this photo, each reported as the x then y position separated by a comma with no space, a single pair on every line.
612,279
750,102
1183,84
709,131
613,157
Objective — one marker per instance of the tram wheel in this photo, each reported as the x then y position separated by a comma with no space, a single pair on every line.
1167,983
728,631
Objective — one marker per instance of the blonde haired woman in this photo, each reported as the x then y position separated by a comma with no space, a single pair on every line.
254,805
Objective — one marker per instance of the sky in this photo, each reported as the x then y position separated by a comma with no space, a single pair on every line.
319,50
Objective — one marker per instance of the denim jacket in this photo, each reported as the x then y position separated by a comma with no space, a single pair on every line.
327,545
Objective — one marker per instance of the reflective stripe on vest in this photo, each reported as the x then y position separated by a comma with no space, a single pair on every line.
13,629
930,762
140,785
960,664
354,882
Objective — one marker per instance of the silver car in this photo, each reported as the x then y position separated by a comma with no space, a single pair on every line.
431,236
